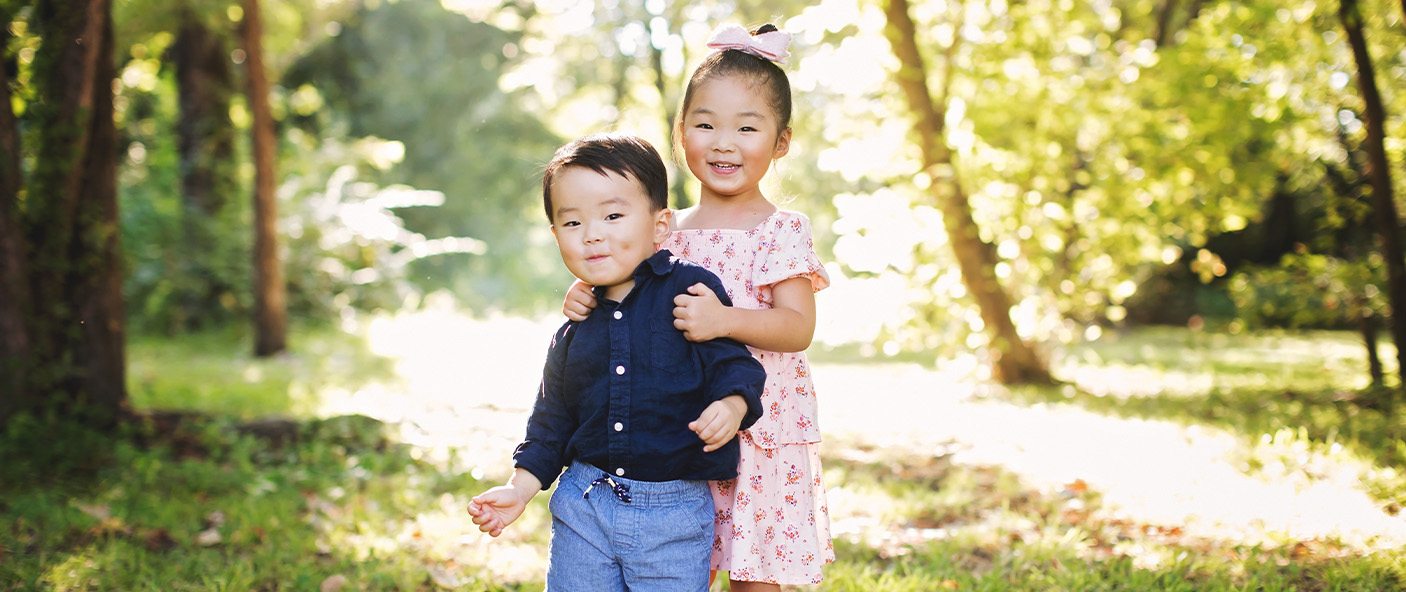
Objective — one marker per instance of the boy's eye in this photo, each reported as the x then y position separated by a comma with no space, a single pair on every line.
748,128
570,223
614,216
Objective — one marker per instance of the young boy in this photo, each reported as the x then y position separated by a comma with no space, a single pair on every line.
641,416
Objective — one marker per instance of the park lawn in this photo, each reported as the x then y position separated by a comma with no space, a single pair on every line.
201,504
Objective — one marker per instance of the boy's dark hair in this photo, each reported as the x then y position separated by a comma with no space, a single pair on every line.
732,61
624,155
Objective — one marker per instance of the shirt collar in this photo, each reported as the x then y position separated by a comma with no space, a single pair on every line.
661,263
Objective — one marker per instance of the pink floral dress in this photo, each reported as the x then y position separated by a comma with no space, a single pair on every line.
772,522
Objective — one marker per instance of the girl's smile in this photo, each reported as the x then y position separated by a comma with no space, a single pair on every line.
731,133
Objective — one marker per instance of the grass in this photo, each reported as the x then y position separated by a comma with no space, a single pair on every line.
978,528
205,508
201,504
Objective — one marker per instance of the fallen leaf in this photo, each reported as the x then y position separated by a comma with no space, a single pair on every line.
208,538
101,512
443,578
109,526
333,583
158,539
1077,487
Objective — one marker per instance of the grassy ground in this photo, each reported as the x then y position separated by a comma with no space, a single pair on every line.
355,503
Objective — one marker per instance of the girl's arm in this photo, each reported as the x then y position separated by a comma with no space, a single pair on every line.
788,326
579,301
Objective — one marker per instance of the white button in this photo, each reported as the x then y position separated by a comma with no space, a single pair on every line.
618,315
619,426
619,369
619,472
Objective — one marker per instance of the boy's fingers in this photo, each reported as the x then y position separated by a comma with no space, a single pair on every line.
699,289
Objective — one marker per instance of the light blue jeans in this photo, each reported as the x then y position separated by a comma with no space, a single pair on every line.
661,539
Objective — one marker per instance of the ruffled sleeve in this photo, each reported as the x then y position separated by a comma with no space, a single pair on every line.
789,251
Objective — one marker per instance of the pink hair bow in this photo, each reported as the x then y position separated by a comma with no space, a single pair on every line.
770,46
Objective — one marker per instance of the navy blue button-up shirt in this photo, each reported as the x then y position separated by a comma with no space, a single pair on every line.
620,388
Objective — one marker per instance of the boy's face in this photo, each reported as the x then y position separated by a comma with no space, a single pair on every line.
604,227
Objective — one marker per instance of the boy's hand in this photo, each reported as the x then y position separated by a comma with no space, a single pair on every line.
495,509
719,421
699,314
579,302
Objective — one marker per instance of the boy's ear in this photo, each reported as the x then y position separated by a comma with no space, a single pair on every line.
783,144
663,225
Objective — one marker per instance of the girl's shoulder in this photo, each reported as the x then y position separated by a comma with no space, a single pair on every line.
788,221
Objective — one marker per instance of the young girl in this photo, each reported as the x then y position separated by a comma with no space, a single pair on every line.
772,524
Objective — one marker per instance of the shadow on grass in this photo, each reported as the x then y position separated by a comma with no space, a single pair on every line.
199,503
956,527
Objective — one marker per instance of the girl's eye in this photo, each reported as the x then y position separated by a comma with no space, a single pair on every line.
706,126
748,128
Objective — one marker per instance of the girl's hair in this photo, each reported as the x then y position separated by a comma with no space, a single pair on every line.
731,62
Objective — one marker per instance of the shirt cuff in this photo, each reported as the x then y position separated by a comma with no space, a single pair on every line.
531,459
750,389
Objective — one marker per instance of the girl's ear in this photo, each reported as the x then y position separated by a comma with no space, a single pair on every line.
783,144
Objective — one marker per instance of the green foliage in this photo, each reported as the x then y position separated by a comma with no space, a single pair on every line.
167,288
1311,291
462,136
349,248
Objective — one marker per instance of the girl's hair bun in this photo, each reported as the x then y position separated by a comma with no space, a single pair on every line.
767,28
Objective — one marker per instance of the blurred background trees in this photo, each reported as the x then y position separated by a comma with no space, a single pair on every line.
1122,162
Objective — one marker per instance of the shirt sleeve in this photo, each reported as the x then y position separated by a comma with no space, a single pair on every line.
551,423
728,366
790,252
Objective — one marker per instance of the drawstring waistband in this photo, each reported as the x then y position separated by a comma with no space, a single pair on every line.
621,490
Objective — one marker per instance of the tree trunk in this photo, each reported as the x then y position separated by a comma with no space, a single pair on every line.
205,136
1367,326
205,140
99,289
1014,361
1164,22
270,300
1379,176
14,275
72,341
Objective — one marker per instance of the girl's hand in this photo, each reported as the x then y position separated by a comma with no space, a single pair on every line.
579,302
700,315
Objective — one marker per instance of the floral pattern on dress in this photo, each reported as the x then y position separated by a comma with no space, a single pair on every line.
774,526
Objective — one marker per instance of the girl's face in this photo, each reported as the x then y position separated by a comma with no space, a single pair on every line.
730,137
